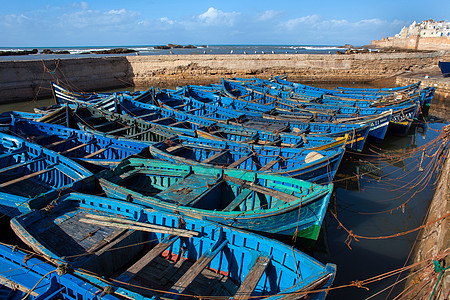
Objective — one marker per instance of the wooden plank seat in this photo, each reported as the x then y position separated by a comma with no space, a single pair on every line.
189,190
274,142
181,123
239,161
270,164
147,258
161,120
54,144
147,115
103,124
5,184
251,280
238,200
118,130
261,189
77,147
96,152
175,148
212,158
22,164
197,268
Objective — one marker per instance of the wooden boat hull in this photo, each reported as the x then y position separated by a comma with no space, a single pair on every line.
21,275
32,175
229,253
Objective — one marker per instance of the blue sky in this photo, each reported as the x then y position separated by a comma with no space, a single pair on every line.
31,23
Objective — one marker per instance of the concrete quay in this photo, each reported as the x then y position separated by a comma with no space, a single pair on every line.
27,80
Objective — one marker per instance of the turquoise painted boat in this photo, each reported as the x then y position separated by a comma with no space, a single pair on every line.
185,257
311,165
31,175
23,276
255,201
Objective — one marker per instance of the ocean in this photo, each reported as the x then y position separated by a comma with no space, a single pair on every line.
81,52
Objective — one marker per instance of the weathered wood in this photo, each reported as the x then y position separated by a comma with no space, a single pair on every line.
161,119
48,146
262,189
239,161
147,258
164,229
76,147
251,280
139,133
15,166
95,153
175,148
5,184
106,240
270,164
103,124
215,156
238,200
196,268
179,123
118,130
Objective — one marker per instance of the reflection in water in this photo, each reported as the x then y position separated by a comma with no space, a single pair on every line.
383,193
440,107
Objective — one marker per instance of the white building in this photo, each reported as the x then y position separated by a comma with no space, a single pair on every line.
428,28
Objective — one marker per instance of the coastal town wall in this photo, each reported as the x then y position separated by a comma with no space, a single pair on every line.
413,43
26,80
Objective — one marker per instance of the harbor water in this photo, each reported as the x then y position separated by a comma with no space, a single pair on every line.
379,193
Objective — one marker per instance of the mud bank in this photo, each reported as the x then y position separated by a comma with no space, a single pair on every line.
26,80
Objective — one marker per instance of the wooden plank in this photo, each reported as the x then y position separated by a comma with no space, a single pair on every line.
118,130
119,222
270,164
161,120
103,124
95,153
196,268
238,200
180,123
262,189
106,240
147,258
21,164
138,134
5,184
76,147
147,115
215,156
251,280
174,149
239,161
48,146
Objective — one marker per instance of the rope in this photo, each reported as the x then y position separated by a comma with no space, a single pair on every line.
441,271
29,292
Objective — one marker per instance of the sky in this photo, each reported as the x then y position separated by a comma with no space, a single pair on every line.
59,23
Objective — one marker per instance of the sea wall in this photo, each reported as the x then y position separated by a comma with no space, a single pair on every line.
26,80
413,43
433,242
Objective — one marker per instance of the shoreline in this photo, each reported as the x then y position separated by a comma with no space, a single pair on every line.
26,80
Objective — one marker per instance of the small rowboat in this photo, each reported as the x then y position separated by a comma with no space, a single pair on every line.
23,276
259,202
84,147
311,165
30,175
185,257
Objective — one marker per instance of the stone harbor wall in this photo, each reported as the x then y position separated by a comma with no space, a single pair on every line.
413,43
27,80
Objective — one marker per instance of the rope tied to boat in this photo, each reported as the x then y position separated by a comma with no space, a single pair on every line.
359,284
441,271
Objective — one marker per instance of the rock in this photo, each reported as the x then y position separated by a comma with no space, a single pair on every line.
24,52
115,51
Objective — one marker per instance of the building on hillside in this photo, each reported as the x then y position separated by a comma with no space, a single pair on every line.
427,35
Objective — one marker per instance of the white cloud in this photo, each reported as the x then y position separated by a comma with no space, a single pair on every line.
217,17
167,21
268,15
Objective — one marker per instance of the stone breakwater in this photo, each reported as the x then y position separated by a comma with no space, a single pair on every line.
26,80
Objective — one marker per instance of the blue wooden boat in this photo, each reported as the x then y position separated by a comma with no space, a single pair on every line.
313,166
23,276
445,68
87,231
84,147
31,175
63,96
259,202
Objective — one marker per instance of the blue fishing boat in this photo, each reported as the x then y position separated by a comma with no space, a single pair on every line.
311,165
259,202
185,257
84,147
31,175
24,276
